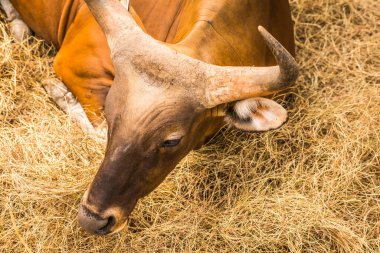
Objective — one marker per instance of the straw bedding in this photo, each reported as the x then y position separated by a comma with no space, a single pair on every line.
311,186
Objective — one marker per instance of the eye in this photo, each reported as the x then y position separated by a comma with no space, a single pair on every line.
171,143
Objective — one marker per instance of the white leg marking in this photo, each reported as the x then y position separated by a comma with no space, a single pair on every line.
17,26
65,100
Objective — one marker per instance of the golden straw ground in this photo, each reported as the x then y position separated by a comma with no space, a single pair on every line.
311,186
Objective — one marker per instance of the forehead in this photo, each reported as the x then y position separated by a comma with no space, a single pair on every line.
149,106
152,100
139,91
140,102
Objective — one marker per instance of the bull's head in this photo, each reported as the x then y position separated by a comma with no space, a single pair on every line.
163,104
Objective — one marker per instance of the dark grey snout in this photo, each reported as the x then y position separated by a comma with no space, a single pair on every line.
94,223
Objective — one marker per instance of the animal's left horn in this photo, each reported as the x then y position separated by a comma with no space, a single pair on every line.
228,84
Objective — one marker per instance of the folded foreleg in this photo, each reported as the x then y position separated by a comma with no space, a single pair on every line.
65,100
17,26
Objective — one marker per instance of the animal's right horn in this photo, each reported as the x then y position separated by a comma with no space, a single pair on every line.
125,3
130,44
118,24
111,15
125,36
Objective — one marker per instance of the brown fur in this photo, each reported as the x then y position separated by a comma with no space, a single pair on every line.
148,103
219,32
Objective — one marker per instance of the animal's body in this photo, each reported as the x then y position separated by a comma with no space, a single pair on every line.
217,32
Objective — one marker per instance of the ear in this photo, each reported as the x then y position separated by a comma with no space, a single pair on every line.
256,114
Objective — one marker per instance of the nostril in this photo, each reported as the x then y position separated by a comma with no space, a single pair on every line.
106,229
94,223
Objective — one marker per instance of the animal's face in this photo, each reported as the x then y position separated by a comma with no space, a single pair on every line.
162,104
150,129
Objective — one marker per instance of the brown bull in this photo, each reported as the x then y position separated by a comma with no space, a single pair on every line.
170,92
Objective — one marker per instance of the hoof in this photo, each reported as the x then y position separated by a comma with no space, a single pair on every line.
20,30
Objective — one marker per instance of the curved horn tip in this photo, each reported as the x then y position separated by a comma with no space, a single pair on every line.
125,3
261,29
264,32
287,63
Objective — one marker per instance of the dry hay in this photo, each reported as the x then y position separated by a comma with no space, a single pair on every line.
311,186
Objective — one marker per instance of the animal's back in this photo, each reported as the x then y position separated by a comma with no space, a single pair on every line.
222,32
